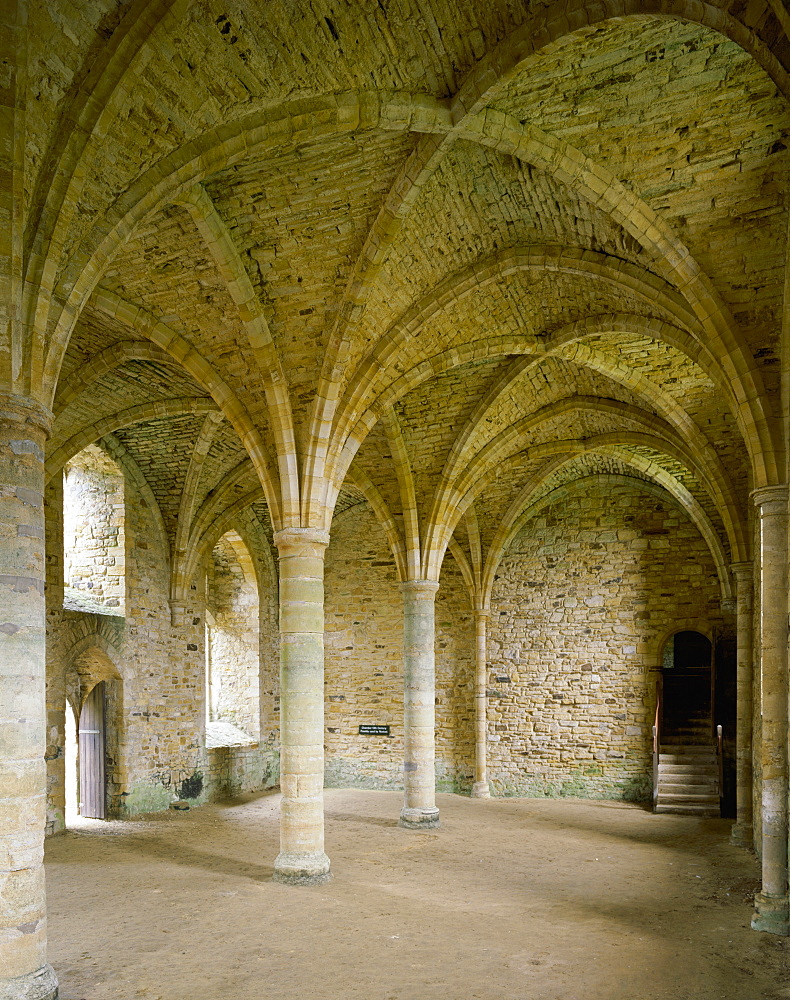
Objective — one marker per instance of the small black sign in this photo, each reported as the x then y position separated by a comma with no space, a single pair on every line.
374,730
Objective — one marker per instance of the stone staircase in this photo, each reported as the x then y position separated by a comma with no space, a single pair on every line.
687,780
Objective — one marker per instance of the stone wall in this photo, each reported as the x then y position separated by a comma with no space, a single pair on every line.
584,599
364,662
156,681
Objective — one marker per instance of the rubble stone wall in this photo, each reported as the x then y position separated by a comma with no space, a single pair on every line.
584,599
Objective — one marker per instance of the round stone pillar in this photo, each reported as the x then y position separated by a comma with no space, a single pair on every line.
742,831
480,789
24,973
301,859
419,810
771,904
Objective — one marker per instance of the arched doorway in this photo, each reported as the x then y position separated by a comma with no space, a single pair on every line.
686,703
687,764
93,782
94,723
86,757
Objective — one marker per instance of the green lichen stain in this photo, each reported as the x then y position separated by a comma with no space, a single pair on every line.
585,783
146,798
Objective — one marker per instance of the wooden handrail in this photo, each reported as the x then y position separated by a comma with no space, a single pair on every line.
720,756
657,737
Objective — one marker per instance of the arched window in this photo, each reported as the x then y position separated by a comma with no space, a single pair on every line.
94,546
232,640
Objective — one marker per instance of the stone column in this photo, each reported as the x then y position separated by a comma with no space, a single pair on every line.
742,831
771,904
24,973
301,859
480,789
419,810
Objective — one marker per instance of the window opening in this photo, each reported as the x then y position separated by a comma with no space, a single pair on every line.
94,544
232,645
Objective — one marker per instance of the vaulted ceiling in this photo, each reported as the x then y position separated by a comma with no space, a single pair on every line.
439,258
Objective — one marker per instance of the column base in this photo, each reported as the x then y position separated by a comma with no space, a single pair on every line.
742,836
418,819
480,790
771,914
301,868
40,985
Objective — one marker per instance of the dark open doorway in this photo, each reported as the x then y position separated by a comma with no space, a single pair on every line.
687,753
687,717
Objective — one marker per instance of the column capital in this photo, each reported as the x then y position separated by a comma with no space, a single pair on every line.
773,497
419,588
482,614
743,568
16,409
301,541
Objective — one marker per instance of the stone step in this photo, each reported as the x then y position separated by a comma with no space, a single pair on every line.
688,777
703,722
681,772
702,764
669,782
701,739
689,810
678,799
677,737
667,793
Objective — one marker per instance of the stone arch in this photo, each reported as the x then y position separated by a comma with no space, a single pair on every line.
184,354
661,487
458,501
470,280
683,625
111,357
579,16
477,91
452,497
671,258
95,101
157,410
217,149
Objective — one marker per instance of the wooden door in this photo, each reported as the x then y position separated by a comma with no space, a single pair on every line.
92,754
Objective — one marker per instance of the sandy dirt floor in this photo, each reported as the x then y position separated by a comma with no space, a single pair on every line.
516,899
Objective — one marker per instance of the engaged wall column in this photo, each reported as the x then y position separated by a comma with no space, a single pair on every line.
771,904
742,831
419,676
24,973
480,789
301,858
